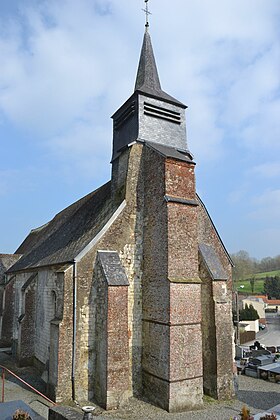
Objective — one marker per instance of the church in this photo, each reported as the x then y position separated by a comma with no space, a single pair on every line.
128,290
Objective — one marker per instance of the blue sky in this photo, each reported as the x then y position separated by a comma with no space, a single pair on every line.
66,66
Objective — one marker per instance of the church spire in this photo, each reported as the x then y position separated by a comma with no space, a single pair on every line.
147,79
150,115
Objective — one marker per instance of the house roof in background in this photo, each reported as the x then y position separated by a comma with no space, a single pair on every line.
269,301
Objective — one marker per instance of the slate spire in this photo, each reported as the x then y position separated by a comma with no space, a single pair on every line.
147,76
150,115
147,79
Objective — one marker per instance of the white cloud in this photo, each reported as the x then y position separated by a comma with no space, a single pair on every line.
78,149
266,170
267,207
66,66
77,52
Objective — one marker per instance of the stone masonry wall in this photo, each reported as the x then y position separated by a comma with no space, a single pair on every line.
217,307
111,356
172,357
125,237
63,387
47,286
208,333
156,304
18,308
37,301
118,385
186,382
27,325
7,317
99,371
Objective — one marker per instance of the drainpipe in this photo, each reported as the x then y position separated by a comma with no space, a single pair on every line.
237,319
74,284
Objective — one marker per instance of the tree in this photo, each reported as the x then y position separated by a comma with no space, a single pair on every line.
252,283
272,287
243,265
249,313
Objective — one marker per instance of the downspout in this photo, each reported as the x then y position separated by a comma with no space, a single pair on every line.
74,285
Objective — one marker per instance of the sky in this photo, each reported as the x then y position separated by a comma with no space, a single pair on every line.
67,66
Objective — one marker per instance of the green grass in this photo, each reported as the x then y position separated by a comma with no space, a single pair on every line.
264,275
258,289
259,282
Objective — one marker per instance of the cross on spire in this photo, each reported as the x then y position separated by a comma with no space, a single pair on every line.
146,10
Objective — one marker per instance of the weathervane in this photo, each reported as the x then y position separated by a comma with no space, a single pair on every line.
146,10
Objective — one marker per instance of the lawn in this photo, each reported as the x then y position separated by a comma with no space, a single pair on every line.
258,289
259,282
264,275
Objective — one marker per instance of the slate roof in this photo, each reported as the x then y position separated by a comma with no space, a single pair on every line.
112,268
169,151
214,227
68,233
212,262
6,261
147,79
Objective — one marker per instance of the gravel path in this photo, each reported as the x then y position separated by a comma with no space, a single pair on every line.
256,394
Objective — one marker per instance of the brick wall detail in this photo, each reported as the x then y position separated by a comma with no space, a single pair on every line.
217,328
172,355
111,370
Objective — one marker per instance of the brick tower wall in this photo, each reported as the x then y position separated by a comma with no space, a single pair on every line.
172,351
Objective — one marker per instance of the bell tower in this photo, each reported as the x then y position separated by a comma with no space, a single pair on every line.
150,115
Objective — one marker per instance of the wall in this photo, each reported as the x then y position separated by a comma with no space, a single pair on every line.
258,305
218,330
208,333
47,284
251,325
26,337
125,237
159,130
172,354
8,314
61,384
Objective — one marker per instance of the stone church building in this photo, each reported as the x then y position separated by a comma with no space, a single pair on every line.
128,290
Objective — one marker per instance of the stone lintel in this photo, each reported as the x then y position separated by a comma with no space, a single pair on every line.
170,381
180,200
185,280
170,324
